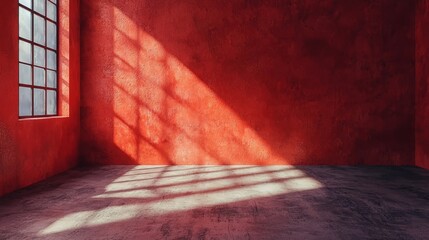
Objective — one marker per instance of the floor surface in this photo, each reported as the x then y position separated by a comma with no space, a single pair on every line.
222,202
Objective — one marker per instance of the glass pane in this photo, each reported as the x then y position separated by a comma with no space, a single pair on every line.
52,103
24,73
39,30
54,1
24,23
26,3
52,60
52,79
52,35
24,52
25,103
39,56
52,11
39,6
39,76
39,102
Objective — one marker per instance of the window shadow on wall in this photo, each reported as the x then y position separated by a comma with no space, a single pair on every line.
195,83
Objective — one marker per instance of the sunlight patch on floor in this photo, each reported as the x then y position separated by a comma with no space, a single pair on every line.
155,191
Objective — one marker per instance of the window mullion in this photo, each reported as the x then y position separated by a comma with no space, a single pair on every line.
32,59
46,58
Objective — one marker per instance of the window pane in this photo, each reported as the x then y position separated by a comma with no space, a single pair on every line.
52,11
52,103
25,101
24,74
24,23
39,102
39,76
52,35
26,3
52,60
52,79
39,6
54,1
24,52
39,30
39,56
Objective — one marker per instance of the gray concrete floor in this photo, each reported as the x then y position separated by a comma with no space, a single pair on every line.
222,202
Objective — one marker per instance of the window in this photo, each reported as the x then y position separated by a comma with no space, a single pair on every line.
38,61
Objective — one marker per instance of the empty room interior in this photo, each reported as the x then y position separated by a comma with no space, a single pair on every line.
214,119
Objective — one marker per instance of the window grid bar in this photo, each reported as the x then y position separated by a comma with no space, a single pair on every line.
32,58
46,58
46,68
36,86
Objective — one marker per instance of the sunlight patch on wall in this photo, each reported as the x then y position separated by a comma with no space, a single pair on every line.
174,117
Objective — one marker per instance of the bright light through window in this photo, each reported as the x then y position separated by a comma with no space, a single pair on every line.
38,58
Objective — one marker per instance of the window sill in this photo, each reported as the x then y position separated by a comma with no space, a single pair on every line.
42,118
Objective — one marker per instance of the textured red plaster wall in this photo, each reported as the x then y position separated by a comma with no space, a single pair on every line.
31,150
248,82
422,84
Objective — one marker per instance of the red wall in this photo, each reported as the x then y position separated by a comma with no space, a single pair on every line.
248,82
31,150
422,84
